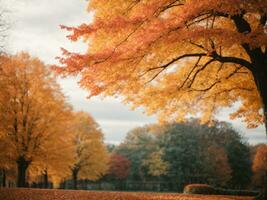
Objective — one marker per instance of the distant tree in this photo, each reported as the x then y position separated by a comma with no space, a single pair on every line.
155,164
260,166
110,147
186,156
137,147
90,153
32,115
119,166
217,165
240,162
224,136
183,153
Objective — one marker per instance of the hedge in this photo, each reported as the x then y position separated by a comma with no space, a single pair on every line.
207,189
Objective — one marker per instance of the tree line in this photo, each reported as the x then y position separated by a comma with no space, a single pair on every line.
40,133
182,153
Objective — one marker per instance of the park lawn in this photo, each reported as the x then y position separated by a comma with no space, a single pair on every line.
46,194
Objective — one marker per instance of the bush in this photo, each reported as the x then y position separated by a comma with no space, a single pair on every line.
207,189
199,189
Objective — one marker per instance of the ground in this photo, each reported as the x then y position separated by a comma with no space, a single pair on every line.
44,194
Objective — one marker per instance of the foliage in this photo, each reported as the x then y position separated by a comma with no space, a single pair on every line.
192,153
260,165
218,164
159,53
119,166
33,112
137,147
240,162
184,153
156,166
91,157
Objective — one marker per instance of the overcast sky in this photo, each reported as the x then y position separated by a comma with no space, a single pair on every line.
35,29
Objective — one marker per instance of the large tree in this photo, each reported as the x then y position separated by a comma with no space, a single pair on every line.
33,114
176,57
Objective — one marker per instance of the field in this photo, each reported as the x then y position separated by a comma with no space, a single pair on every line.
43,194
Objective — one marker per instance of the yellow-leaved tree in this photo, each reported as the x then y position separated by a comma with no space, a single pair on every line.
176,57
91,155
33,113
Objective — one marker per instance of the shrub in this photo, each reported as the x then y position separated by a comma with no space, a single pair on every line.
199,189
207,189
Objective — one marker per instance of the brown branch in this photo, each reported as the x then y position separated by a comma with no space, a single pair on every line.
199,70
177,59
214,56
229,59
236,71
196,64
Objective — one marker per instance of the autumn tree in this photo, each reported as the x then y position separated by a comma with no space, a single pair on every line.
138,145
217,165
176,57
260,166
155,164
53,166
193,159
119,166
90,153
32,115
223,135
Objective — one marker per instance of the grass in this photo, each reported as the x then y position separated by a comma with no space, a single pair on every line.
46,194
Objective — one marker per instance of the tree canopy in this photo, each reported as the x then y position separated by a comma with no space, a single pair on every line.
90,153
182,153
176,57
33,112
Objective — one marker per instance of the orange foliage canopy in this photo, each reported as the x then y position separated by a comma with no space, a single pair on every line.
175,57
33,117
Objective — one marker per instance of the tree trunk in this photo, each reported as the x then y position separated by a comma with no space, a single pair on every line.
22,166
3,178
260,78
75,178
261,82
